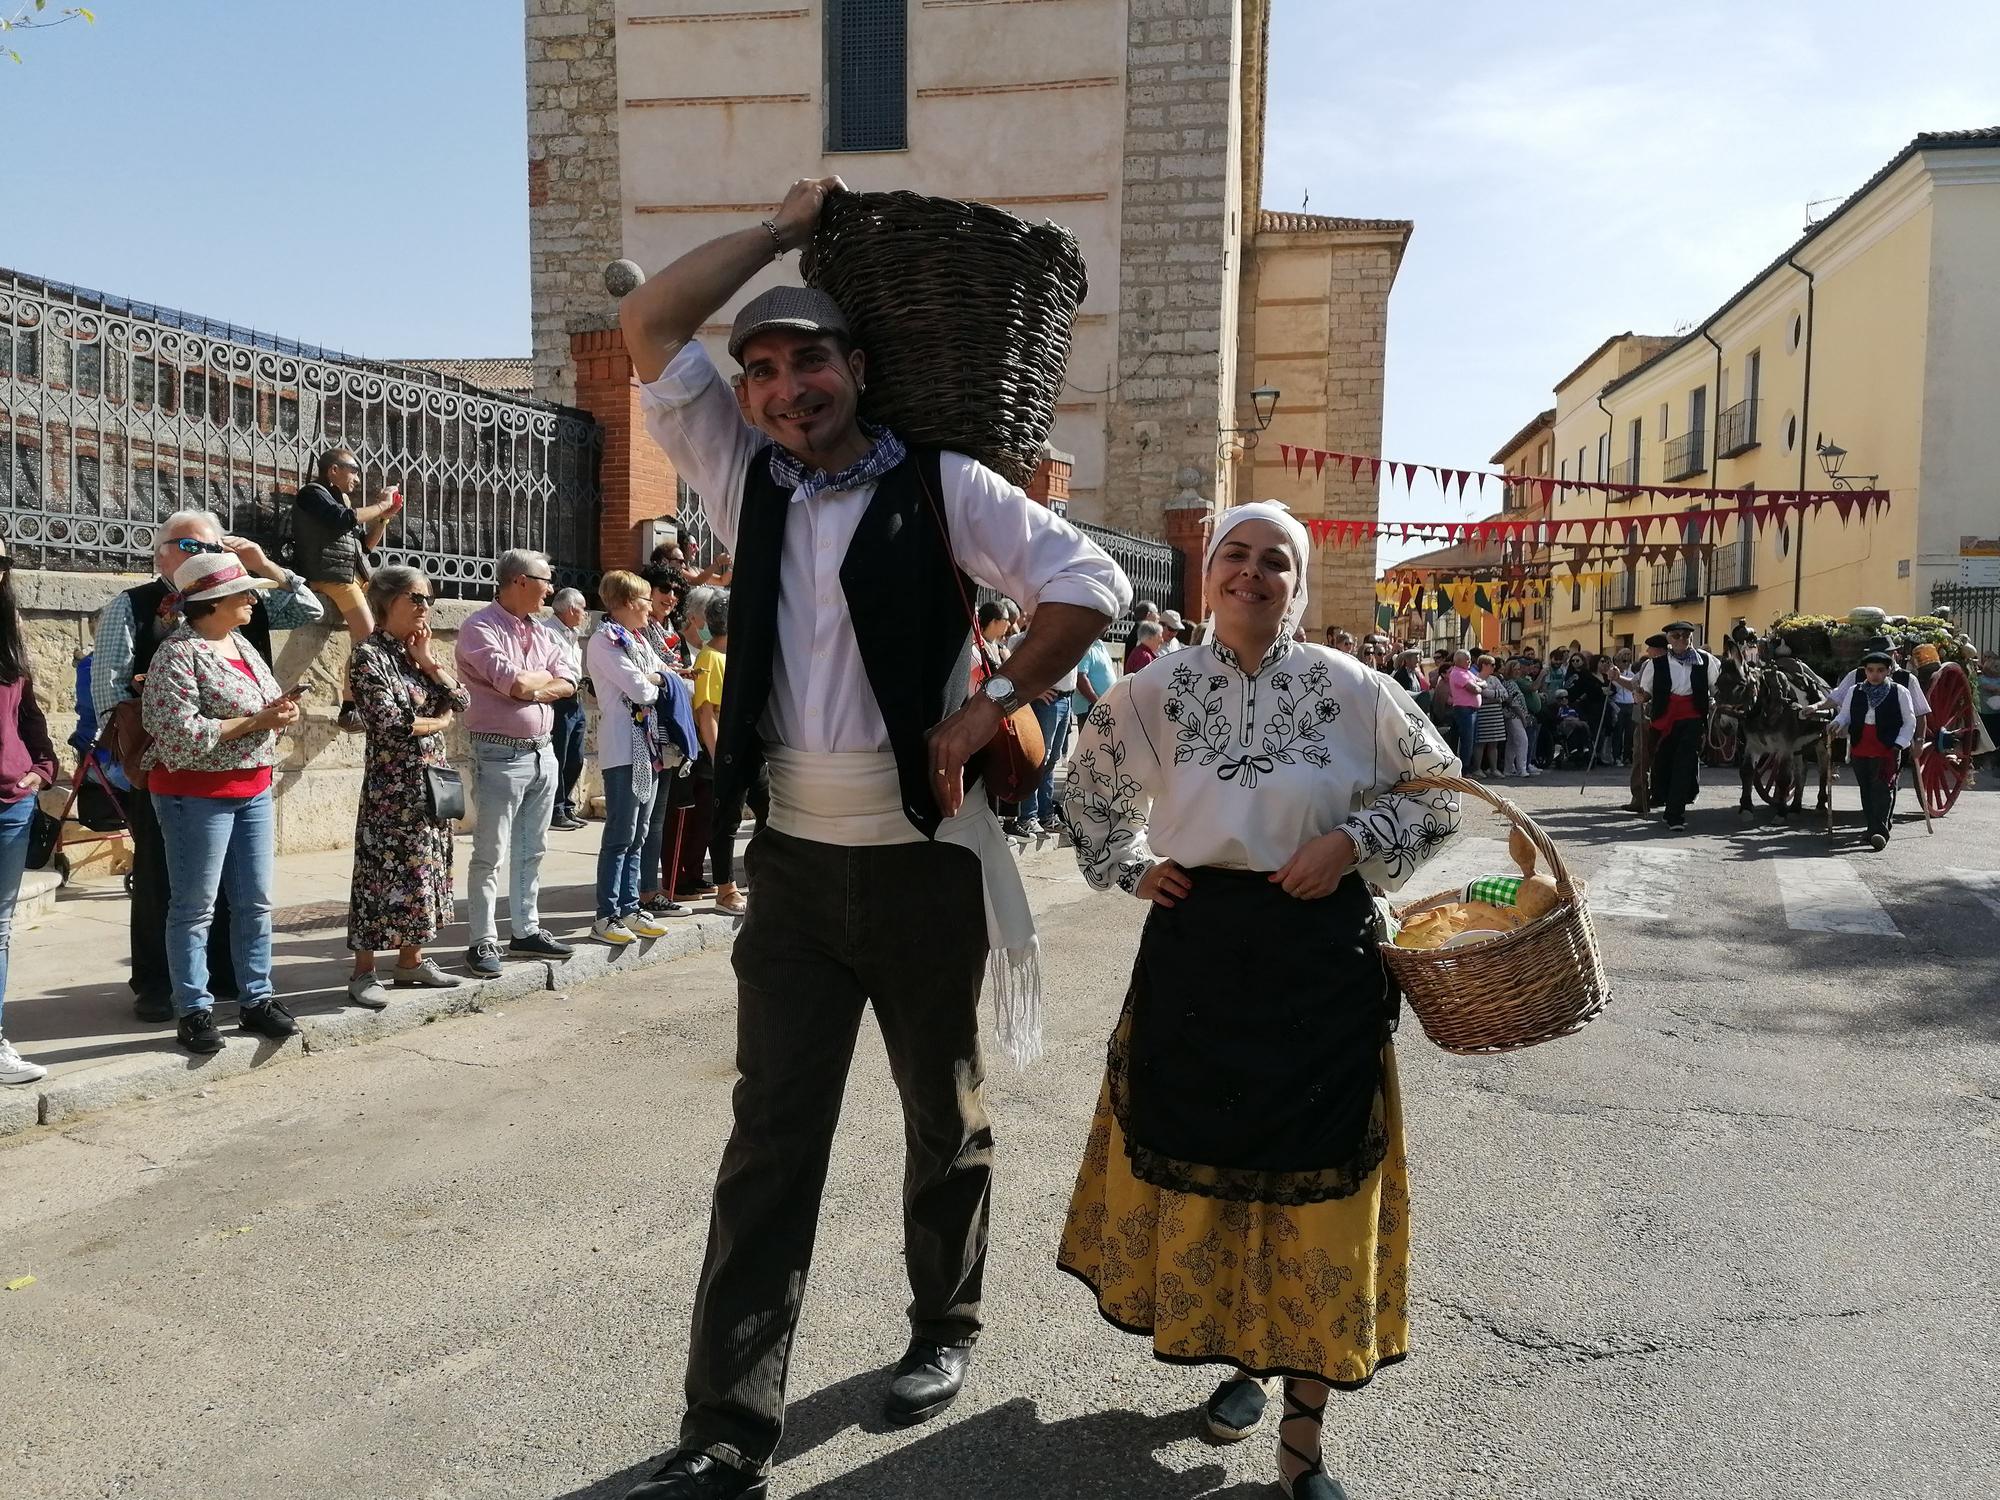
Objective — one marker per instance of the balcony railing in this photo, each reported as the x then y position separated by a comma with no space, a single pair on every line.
1676,581
1729,572
1622,592
1685,455
1625,473
1736,429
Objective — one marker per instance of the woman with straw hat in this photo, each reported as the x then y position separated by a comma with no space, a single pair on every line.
214,712
1244,788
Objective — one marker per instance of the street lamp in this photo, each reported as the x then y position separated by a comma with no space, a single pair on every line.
1264,406
1831,457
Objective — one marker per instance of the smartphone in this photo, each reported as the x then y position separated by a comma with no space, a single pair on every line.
298,692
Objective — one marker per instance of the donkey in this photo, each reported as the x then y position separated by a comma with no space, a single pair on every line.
1779,713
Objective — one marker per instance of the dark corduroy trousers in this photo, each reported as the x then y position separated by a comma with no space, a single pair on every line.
830,931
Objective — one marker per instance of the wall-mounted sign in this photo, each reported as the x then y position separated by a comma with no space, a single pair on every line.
1979,561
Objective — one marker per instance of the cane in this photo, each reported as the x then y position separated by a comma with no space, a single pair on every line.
673,871
1917,784
1596,740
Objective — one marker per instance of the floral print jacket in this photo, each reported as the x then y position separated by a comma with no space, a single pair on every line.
1195,760
190,692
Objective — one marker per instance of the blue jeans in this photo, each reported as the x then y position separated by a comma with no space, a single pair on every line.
629,795
217,844
1466,722
1054,719
16,818
513,794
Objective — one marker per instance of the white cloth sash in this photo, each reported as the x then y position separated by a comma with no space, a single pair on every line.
855,798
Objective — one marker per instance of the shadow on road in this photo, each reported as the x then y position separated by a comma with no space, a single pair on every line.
1003,1453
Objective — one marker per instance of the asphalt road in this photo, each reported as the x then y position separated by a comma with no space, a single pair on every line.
1733,1240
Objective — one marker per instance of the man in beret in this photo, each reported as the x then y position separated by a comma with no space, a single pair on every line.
850,647
1676,685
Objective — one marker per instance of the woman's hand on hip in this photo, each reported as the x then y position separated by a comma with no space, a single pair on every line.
1164,884
1319,865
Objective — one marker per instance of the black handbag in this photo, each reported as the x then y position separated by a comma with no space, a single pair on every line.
44,834
444,794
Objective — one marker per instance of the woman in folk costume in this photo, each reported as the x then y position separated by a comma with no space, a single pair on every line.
1243,1198
1879,717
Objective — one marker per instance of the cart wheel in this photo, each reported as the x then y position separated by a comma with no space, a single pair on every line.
59,862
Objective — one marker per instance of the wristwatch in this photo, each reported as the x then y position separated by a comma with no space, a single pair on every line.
1002,693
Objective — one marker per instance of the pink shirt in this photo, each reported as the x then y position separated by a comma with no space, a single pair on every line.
1461,687
495,647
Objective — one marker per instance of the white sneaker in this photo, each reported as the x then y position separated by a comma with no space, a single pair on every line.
611,930
15,1068
643,923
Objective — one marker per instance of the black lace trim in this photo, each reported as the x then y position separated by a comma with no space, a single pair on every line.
1237,1184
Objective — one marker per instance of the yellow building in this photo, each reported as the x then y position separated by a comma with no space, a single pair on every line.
1878,332
1531,451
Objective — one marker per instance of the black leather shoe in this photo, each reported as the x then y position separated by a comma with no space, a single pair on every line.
696,1476
269,1020
928,1379
153,1009
197,1033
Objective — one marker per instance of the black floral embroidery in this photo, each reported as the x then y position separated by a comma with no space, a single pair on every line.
1293,734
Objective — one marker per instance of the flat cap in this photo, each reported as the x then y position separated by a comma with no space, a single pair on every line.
1656,640
1878,658
1682,626
798,308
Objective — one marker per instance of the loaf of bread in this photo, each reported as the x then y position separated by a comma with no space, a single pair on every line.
1441,925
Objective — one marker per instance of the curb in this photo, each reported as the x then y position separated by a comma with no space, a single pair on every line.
166,1071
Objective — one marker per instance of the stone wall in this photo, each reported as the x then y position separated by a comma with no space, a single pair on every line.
1180,239
319,779
573,193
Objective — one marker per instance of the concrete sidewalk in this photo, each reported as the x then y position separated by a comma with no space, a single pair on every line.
69,1004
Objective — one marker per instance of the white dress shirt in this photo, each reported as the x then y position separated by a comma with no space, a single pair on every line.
1680,677
820,697
1843,696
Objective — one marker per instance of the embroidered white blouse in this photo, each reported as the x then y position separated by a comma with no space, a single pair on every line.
1191,760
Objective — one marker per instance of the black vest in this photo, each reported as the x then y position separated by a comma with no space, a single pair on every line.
149,629
1888,713
1663,678
903,595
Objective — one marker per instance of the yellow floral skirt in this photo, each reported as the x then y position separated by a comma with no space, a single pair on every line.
1317,1291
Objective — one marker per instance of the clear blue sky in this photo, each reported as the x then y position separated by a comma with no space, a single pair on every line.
354,173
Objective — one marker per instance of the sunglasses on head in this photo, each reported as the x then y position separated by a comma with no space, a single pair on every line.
195,546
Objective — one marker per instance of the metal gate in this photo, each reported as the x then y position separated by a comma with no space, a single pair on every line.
115,414
1975,608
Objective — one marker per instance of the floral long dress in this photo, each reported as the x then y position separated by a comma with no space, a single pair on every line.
402,860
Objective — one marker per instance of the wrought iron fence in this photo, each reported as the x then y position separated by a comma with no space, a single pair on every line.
1153,566
1684,456
1736,429
1975,608
115,414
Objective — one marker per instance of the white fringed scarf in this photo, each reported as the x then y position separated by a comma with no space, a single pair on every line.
855,799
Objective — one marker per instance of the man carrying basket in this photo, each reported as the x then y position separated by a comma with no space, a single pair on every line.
850,653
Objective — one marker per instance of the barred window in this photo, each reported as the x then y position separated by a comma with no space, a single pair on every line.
21,351
867,102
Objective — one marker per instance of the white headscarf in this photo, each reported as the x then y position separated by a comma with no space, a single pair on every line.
1296,542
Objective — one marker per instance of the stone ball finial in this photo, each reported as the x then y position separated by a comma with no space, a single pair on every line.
621,276
1187,477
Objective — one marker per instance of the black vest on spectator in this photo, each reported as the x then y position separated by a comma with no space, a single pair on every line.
910,621
149,629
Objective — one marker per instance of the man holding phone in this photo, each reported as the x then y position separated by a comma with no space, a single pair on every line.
331,536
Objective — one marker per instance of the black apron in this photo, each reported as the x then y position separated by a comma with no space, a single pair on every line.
1248,1063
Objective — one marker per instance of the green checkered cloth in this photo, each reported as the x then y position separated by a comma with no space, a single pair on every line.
1495,890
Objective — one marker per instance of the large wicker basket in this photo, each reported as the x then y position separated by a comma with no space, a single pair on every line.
1526,987
964,312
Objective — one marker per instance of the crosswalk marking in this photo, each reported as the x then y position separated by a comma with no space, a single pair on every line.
1983,884
1829,895
1638,880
